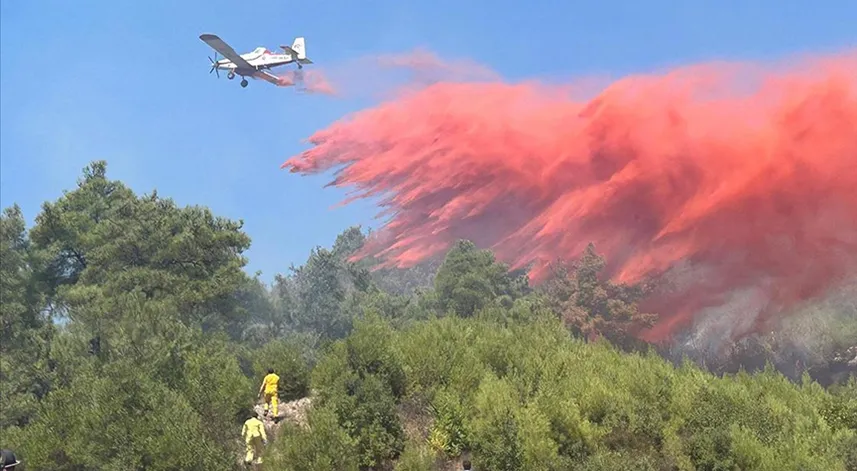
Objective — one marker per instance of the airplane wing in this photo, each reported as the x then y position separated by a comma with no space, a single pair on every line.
265,75
226,50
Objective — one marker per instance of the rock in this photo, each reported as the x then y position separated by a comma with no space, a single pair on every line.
292,411
848,357
852,352
296,411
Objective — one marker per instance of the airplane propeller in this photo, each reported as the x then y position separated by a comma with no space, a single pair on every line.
214,65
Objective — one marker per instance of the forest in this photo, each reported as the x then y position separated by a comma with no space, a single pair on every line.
134,339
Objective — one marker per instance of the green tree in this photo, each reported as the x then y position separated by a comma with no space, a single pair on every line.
313,296
321,290
100,242
291,364
25,373
469,279
143,373
267,319
592,306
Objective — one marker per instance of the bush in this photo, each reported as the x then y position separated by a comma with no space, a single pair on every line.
121,420
360,379
217,389
495,427
289,363
527,396
416,457
324,447
840,408
374,423
621,461
448,433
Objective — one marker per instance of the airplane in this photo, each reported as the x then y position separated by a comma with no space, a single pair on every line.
254,64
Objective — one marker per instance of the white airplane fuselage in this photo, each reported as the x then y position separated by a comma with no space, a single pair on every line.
255,64
260,59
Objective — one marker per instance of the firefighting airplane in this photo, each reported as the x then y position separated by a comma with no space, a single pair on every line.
254,64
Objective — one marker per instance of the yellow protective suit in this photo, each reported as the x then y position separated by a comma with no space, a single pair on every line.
270,384
255,438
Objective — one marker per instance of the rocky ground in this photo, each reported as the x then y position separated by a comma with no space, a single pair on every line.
292,411
416,424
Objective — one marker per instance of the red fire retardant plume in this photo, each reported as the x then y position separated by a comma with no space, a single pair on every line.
745,174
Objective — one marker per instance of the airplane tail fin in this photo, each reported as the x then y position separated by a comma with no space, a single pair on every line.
299,46
298,49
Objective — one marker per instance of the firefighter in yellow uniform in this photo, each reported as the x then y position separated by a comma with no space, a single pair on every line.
269,387
255,438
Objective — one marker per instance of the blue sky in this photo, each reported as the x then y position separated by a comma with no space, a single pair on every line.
127,81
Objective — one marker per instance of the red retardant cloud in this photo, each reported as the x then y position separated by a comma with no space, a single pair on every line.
311,81
746,174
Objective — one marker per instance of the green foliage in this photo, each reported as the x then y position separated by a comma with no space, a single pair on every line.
840,409
526,396
267,314
290,364
326,293
375,425
151,371
100,241
620,461
496,427
370,352
215,387
360,379
25,333
326,446
143,374
448,433
165,339
118,419
416,457
470,278
591,306
320,293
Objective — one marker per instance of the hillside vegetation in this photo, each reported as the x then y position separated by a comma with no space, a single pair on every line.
133,339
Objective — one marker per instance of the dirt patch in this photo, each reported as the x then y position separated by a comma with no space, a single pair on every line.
416,419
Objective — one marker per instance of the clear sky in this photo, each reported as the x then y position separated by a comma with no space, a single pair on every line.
128,81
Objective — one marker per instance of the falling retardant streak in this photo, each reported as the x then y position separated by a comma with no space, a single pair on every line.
721,178
311,81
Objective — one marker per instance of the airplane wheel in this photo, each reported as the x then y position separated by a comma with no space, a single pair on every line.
230,76
244,83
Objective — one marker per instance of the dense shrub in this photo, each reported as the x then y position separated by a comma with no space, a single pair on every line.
416,457
290,364
448,433
360,380
326,446
118,420
528,396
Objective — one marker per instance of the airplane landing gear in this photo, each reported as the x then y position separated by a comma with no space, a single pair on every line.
244,83
230,75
